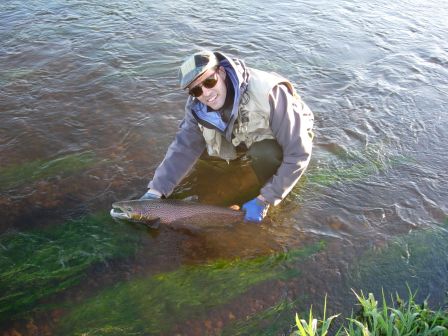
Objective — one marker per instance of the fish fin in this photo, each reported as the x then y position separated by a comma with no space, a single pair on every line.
183,225
192,198
153,224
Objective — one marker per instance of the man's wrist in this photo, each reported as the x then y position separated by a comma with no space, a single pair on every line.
154,192
151,194
262,199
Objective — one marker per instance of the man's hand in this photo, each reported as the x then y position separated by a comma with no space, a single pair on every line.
255,209
151,194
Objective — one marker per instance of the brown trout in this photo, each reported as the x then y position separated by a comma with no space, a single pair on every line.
176,213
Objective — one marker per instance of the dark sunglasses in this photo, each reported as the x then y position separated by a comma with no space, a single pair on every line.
208,83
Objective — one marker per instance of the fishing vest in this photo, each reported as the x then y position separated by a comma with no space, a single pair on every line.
252,123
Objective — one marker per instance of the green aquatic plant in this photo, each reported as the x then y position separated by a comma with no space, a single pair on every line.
331,175
353,165
10,75
38,263
21,174
155,304
271,321
405,259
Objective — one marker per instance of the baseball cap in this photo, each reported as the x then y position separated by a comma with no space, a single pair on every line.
195,65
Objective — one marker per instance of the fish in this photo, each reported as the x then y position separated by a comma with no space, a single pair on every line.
176,214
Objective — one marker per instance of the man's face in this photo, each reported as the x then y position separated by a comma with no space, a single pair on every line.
215,96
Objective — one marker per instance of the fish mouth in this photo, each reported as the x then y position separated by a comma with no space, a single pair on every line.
116,212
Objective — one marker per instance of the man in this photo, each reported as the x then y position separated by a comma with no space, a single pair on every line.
234,109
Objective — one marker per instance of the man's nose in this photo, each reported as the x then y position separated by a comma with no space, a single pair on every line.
206,91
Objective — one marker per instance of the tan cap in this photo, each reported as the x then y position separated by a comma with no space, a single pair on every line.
195,65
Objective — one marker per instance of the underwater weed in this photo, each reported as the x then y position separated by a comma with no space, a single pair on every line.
36,264
17,175
153,305
354,165
271,321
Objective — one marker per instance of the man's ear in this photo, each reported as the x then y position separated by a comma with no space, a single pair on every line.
222,72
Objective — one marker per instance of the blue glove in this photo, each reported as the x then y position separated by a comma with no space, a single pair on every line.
151,194
255,210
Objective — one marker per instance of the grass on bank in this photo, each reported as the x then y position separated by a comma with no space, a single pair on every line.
396,318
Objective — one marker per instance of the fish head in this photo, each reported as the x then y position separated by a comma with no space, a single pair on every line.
134,210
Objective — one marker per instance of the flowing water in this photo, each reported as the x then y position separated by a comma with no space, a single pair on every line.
89,103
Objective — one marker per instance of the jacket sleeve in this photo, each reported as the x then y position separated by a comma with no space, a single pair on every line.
291,122
182,154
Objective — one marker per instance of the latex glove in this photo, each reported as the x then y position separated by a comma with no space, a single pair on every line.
151,194
256,210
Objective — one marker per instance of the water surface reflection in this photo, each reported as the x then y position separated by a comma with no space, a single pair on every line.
89,103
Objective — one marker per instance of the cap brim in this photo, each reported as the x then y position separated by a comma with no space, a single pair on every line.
199,79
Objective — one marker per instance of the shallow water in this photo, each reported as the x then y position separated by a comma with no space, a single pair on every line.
89,103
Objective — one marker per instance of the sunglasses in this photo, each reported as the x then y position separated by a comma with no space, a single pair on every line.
207,83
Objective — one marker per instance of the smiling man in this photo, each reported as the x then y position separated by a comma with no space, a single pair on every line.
233,111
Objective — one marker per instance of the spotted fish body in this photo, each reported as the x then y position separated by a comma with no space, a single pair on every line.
176,213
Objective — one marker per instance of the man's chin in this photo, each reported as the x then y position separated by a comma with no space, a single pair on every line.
216,105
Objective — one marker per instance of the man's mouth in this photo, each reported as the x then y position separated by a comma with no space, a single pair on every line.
211,100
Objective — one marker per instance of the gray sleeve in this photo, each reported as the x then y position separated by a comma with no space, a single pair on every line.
182,154
291,122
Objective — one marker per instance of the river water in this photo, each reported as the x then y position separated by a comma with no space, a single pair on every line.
89,103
